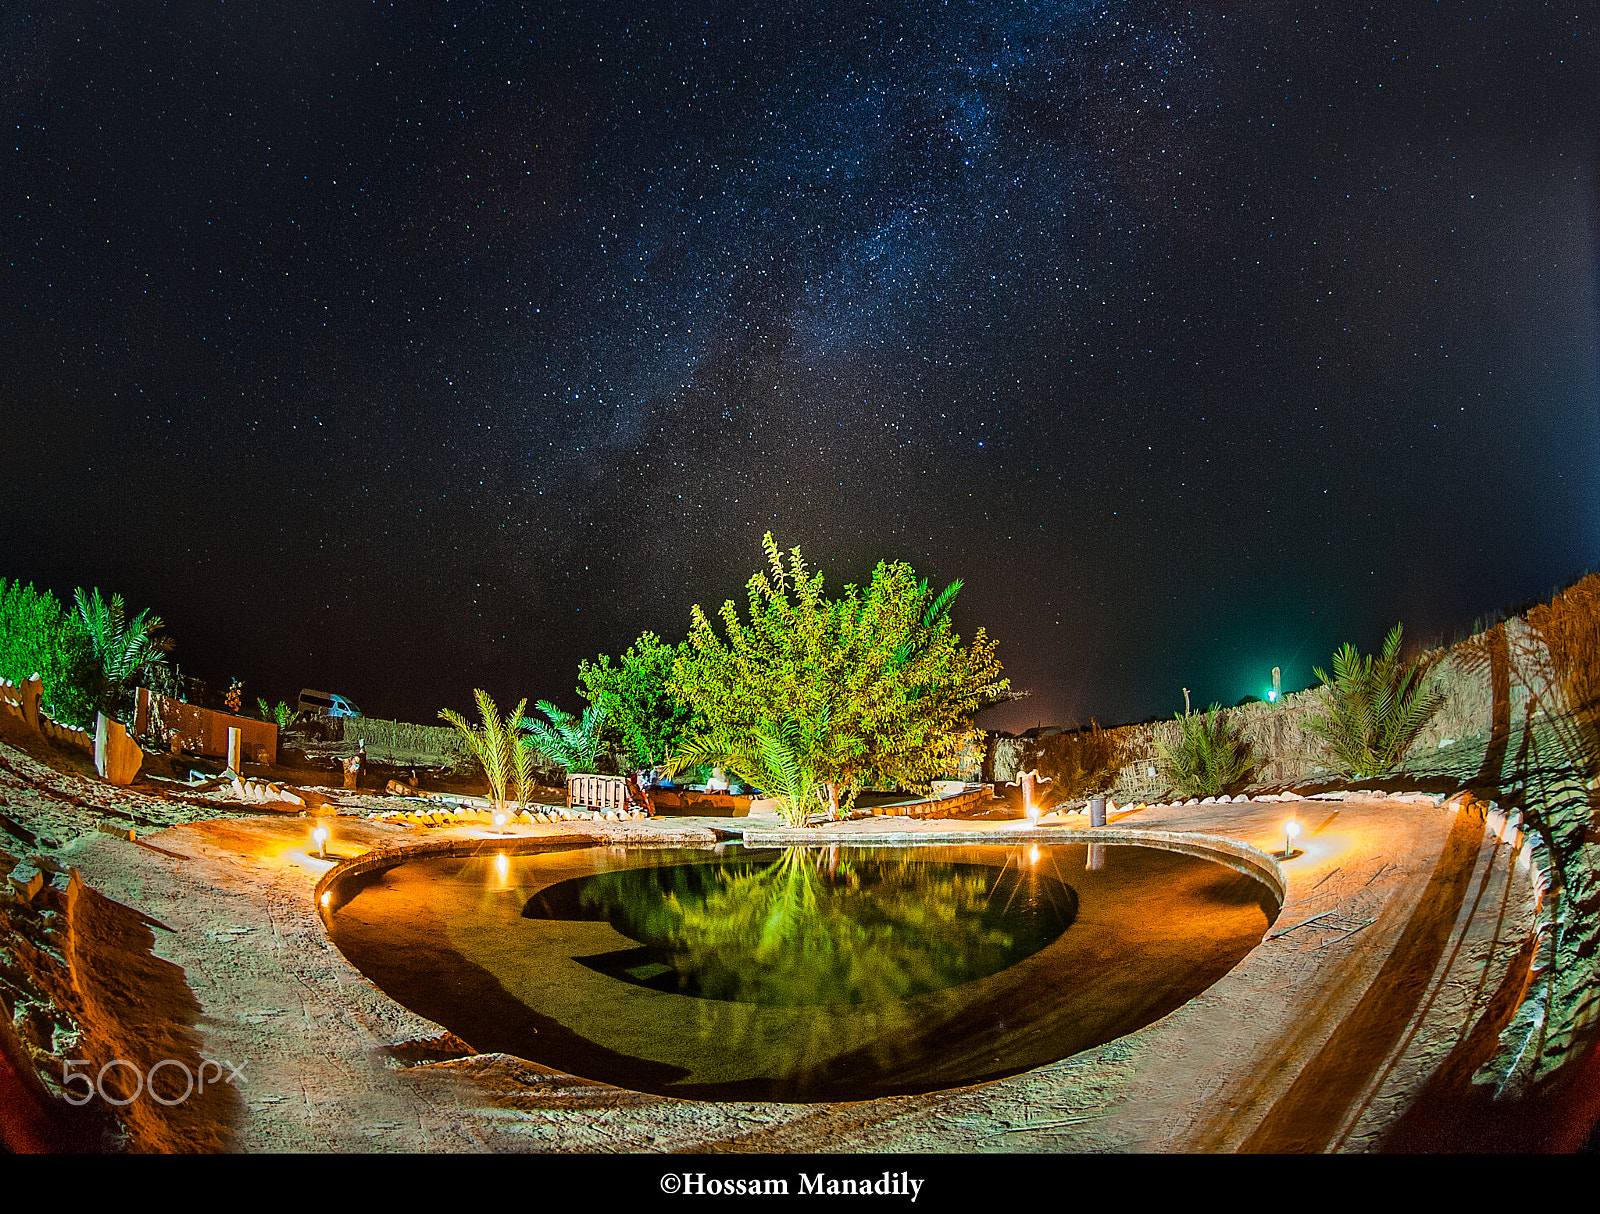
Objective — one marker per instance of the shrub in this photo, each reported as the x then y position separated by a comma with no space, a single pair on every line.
1377,707
38,637
1208,756
281,716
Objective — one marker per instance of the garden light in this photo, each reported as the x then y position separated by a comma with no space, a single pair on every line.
1291,832
500,823
320,837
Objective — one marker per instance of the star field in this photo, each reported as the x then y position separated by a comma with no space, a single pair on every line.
406,348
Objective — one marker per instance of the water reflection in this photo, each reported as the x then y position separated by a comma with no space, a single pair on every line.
824,926
813,974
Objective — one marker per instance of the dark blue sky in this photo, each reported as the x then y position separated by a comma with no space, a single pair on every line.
398,349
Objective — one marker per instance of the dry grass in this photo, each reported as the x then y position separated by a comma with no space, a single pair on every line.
401,742
1569,629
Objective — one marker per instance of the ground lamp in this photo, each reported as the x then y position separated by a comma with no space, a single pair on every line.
1291,832
320,835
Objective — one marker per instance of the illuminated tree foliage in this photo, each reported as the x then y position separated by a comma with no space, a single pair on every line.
38,637
88,657
573,745
636,700
873,689
125,648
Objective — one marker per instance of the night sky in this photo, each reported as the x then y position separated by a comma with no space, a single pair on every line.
399,349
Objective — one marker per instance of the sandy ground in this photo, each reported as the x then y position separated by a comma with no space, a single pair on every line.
1402,947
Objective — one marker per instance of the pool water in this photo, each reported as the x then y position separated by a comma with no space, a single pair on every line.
802,974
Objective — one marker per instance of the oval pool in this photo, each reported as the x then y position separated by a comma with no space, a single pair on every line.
798,974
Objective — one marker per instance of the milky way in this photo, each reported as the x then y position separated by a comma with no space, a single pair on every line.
403,349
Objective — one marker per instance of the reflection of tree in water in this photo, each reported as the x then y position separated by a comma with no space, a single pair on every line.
814,928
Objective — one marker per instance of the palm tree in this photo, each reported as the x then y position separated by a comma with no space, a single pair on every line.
1377,708
124,649
1208,756
497,745
771,758
571,744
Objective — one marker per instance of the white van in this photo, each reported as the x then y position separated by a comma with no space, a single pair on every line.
326,704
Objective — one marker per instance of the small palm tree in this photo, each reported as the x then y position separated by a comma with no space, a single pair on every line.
1208,756
496,745
1378,706
281,715
124,649
571,744
770,758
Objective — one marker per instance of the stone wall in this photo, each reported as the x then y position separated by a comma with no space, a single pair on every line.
199,730
1123,761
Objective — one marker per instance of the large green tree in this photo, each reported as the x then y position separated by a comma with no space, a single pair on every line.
636,699
871,689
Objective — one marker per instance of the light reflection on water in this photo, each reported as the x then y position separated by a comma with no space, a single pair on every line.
807,974
826,925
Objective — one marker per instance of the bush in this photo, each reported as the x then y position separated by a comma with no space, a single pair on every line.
1208,757
38,637
1377,707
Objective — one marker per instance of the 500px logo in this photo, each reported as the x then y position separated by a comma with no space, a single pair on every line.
96,1085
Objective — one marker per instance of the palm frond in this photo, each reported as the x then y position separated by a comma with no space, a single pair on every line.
572,744
1208,757
1376,708
495,744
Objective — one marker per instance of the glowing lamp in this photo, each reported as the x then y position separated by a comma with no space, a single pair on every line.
320,835
1291,832
500,821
